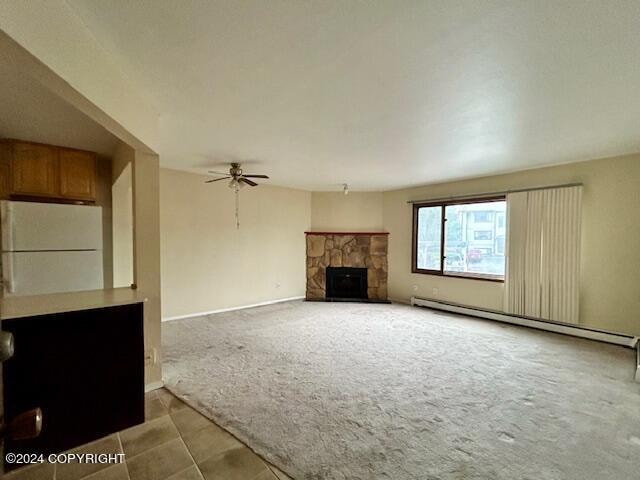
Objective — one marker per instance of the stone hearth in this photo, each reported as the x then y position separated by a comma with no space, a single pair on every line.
337,249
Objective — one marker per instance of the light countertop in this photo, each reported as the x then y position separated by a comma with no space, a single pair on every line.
32,305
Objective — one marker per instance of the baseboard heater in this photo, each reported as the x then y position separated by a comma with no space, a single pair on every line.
557,327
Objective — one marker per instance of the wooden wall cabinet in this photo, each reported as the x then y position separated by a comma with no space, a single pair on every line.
77,174
33,170
47,171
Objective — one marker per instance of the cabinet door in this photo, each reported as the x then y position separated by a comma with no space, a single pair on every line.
6,152
77,175
33,170
66,364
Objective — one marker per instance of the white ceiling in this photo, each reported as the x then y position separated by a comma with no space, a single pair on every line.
380,94
30,111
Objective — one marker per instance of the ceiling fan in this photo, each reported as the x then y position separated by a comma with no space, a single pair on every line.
238,179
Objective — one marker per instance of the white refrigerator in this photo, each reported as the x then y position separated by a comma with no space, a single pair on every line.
50,247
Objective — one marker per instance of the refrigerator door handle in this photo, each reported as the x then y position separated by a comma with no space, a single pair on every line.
8,284
6,217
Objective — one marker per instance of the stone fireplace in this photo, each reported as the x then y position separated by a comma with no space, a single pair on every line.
356,256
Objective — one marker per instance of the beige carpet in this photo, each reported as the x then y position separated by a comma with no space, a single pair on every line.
361,391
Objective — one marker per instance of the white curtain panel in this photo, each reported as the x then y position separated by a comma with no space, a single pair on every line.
543,253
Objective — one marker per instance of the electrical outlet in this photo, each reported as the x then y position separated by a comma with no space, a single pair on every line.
415,288
434,291
150,357
277,284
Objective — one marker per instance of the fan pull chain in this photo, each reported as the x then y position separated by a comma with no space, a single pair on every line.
237,189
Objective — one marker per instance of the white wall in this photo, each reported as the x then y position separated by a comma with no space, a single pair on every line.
207,264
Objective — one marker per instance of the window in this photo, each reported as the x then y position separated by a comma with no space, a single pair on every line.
500,241
429,238
461,239
483,217
483,235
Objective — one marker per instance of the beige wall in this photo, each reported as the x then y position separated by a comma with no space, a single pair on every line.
208,265
66,59
122,214
146,251
76,67
610,277
356,212
104,200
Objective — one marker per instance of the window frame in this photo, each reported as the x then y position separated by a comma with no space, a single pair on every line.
441,272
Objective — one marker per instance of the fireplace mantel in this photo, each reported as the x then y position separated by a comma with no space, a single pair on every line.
346,233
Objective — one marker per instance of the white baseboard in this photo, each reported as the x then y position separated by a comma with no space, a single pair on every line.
638,362
557,327
149,387
231,309
402,301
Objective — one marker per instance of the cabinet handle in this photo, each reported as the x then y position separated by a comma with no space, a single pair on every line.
6,346
23,427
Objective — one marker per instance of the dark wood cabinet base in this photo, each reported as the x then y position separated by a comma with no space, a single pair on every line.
84,369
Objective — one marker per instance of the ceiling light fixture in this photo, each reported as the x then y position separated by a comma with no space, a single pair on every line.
235,184
238,181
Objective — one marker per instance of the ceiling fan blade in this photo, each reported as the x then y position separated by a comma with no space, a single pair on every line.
255,176
248,182
216,179
218,173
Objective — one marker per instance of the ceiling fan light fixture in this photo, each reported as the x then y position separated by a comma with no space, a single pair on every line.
237,182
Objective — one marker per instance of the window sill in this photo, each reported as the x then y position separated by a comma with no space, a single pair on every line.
468,276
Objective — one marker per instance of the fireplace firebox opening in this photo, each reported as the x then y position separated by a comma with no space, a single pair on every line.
346,283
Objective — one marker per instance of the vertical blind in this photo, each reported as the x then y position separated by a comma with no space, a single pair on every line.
543,253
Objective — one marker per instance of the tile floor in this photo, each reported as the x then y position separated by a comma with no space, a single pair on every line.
174,443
